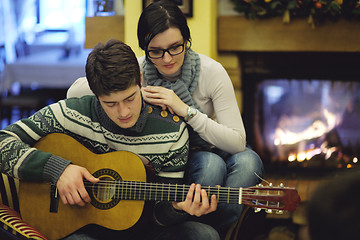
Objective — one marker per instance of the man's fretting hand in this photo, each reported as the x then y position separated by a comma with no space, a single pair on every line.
197,202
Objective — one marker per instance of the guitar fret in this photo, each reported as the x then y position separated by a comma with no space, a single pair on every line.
228,194
169,193
175,192
118,190
155,192
130,190
161,192
139,195
240,195
122,190
183,193
126,191
150,193
137,188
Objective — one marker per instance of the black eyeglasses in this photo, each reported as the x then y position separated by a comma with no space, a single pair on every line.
159,53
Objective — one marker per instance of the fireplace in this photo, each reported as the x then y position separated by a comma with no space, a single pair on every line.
301,110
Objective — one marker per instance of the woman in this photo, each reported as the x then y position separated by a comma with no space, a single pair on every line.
197,88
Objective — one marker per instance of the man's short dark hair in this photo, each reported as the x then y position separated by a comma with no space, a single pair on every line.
112,67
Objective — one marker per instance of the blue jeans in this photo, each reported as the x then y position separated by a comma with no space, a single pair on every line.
188,230
238,170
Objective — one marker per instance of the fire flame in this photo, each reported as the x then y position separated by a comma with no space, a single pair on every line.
284,136
317,129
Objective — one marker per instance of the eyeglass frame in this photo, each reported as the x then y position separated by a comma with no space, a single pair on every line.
166,50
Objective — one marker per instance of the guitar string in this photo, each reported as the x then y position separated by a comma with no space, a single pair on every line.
231,194
115,182
155,187
227,194
167,188
151,186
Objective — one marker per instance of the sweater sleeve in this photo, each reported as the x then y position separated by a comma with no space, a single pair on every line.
215,95
20,159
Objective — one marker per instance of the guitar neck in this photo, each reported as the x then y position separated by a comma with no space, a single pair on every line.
261,197
132,190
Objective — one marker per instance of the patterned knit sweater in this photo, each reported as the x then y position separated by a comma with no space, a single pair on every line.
159,136
162,140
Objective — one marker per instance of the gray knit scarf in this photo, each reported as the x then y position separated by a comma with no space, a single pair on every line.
187,82
183,87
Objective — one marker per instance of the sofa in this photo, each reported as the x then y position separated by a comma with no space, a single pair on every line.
11,224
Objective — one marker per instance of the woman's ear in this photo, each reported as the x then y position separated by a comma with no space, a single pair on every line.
188,44
141,79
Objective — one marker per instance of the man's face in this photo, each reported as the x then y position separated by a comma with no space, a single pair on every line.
123,107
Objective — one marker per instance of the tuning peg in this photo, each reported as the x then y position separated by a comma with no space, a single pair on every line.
268,211
280,212
281,185
270,184
256,210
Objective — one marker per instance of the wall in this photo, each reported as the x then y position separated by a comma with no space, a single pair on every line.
203,26
204,32
269,35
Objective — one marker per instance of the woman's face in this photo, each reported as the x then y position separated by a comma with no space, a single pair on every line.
168,64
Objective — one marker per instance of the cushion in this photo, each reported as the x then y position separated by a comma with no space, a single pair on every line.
13,223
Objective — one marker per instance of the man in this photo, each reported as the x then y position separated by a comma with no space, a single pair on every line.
333,210
116,118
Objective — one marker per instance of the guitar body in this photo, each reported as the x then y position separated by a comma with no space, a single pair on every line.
35,197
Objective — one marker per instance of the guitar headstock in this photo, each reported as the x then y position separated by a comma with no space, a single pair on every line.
270,198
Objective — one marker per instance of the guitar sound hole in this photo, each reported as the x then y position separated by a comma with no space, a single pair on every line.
103,193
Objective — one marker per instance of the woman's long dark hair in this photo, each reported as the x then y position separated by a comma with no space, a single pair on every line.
157,18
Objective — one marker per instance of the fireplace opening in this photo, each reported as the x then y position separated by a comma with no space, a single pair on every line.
302,110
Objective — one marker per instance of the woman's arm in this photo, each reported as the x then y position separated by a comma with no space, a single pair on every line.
216,97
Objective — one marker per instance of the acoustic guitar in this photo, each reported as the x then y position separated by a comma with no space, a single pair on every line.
118,198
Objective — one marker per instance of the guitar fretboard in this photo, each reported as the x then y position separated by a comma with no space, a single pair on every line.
132,190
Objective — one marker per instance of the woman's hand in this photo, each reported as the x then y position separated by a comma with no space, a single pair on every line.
197,202
165,98
71,185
